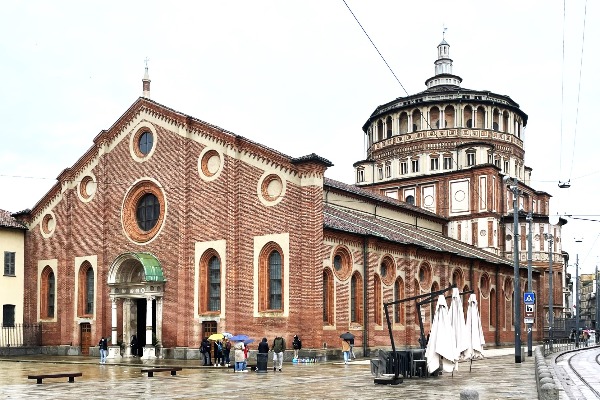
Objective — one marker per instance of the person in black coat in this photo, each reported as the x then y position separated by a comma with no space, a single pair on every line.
297,345
134,346
263,347
205,351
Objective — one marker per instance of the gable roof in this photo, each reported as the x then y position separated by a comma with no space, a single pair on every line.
361,223
8,221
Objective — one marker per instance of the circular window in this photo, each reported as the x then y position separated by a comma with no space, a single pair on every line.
342,263
386,270
508,238
271,189
144,210
87,188
410,200
48,224
424,276
459,195
148,211
337,262
145,142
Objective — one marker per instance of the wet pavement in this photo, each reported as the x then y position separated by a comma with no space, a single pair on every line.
495,377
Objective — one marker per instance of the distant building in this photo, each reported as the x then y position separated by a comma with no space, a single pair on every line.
12,248
447,150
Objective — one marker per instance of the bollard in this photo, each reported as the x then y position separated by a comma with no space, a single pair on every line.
469,394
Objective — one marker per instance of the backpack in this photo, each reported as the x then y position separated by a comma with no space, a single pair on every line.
219,346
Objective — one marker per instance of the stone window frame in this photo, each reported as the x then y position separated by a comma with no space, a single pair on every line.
485,285
134,141
425,275
9,263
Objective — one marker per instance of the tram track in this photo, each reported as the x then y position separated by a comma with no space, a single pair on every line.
569,356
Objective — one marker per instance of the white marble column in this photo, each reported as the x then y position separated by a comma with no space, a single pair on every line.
114,350
127,326
149,350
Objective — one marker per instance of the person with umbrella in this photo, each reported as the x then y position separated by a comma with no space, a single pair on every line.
346,348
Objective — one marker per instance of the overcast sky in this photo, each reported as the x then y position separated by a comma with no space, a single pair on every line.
299,77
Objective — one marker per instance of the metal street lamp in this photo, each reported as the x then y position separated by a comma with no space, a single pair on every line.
514,188
577,296
529,287
550,240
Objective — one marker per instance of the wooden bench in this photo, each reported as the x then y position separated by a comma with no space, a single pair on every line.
70,375
151,371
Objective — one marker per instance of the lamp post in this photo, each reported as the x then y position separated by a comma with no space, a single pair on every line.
597,304
529,287
517,295
577,300
550,240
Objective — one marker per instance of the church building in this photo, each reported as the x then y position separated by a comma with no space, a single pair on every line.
172,229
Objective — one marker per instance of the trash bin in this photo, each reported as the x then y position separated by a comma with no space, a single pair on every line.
261,362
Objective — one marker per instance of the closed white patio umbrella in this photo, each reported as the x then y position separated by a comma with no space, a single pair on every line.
457,321
441,349
474,332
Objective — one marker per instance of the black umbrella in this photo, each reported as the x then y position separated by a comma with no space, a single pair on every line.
347,336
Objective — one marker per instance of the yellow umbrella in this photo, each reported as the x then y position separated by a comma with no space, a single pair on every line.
216,336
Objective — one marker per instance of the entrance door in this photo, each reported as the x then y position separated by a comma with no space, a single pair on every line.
86,338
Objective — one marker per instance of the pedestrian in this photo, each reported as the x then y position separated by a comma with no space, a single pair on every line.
226,351
103,346
263,346
218,353
278,349
351,355
346,350
297,345
205,351
246,350
238,351
134,346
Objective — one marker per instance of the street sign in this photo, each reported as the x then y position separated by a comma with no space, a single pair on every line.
529,309
529,298
529,320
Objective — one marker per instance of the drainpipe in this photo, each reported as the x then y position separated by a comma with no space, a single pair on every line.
365,304
497,305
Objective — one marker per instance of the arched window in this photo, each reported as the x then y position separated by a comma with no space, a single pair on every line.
356,299
271,278
399,295
379,130
210,283
493,307
468,116
416,117
481,118
449,115
48,293
388,127
328,301
403,122
377,299
214,284
86,290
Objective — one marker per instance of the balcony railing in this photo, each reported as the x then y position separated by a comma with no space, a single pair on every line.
21,335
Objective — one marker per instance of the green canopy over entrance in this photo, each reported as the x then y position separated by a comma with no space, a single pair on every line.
152,268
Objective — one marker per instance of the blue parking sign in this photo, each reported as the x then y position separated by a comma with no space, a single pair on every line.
529,298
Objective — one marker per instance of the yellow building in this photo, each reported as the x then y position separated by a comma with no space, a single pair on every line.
12,247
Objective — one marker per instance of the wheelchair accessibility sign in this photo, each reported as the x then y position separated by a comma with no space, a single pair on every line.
529,298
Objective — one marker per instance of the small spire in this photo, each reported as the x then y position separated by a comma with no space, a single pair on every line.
146,81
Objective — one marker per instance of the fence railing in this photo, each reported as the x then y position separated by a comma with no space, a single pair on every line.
21,335
559,345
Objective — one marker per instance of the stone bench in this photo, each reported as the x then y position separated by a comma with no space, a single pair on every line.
151,371
70,375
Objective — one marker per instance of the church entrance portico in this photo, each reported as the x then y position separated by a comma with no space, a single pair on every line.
136,283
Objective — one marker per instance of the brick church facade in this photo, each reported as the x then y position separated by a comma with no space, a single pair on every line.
171,229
